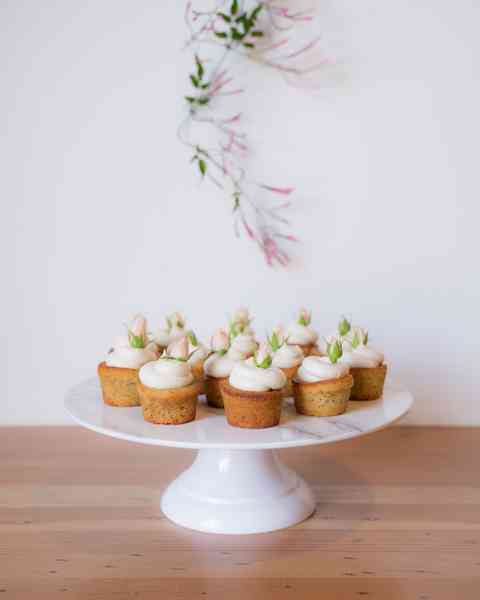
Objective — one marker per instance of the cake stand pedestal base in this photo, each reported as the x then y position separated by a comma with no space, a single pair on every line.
237,492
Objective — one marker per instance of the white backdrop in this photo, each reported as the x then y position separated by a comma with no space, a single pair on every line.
103,216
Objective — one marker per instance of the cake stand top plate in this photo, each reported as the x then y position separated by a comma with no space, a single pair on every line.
211,430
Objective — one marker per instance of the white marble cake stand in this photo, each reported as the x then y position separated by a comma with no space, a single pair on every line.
237,483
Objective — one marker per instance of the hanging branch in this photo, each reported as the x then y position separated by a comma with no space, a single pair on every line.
247,30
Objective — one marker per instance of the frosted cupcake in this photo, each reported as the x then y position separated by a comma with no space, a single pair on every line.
366,365
300,333
253,392
198,353
174,330
118,373
167,389
218,366
322,385
285,357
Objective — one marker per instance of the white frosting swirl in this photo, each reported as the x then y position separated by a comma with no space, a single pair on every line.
362,356
165,374
287,356
199,353
247,376
319,368
221,366
300,334
124,356
245,343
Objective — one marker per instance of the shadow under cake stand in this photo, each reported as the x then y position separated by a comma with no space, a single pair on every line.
237,484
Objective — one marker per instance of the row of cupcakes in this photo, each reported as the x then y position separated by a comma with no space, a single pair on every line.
167,371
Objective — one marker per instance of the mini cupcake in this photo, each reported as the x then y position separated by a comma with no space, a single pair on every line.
218,366
301,334
242,339
366,365
322,385
253,393
285,357
198,353
167,389
118,373
174,330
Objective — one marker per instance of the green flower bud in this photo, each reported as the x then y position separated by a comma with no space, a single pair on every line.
334,351
355,340
344,327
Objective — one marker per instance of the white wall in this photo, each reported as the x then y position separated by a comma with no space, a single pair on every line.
96,190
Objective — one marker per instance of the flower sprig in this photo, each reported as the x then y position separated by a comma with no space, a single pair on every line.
137,332
262,357
334,350
304,317
276,339
220,342
247,29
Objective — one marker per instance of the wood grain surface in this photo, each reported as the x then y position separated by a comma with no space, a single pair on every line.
398,516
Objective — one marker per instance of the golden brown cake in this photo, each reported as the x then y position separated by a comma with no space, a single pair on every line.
169,406
289,373
368,382
322,398
250,409
213,390
119,386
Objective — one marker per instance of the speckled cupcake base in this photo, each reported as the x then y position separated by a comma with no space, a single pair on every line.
251,410
322,398
119,386
213,391
290,373
197,370
169,407
368,382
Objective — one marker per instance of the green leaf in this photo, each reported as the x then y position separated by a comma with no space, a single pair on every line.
274,342
202,165
203,100
302,321
204,86
236,35
234,7
136,341
365,338
265,364
200,69
248,45
194,81
190,99
225,17
257,33
256,11
220,34
193,338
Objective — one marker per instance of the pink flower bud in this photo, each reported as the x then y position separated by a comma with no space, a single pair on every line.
241,315
279,331
178,349
138,326
304,316
262,352
176,320
220,341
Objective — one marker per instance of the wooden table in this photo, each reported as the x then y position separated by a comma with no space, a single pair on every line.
398,516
